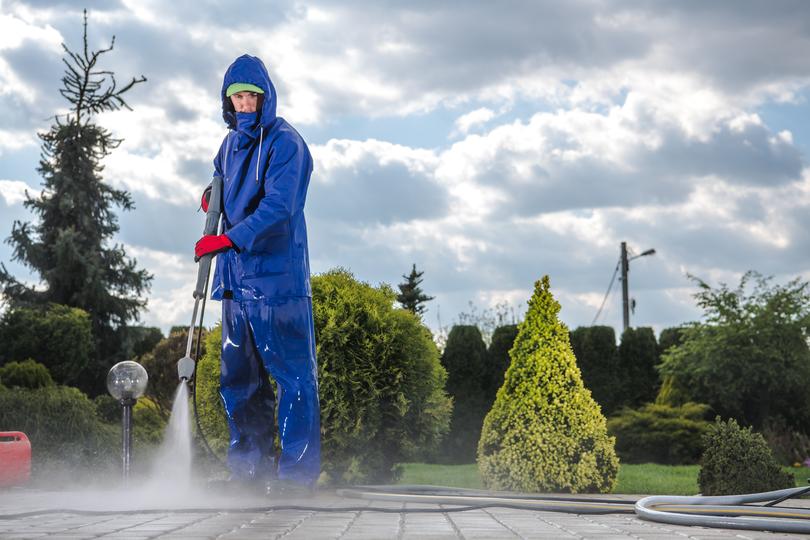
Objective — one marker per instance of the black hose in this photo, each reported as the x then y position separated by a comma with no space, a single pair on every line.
193,383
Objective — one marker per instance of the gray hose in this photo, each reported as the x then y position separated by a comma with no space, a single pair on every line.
728,512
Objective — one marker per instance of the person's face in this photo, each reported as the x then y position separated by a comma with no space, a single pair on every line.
245,101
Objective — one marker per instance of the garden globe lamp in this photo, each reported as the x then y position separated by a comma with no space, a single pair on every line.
126,382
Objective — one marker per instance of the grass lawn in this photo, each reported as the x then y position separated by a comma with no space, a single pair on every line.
646,479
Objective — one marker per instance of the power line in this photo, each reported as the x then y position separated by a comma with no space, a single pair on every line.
610,286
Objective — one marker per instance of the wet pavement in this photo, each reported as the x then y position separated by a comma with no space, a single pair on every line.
132,515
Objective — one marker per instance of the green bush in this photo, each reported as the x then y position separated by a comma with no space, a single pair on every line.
737,460
58,336
65,430
545,432
28,374
464,358
638,355
597,358
380,382
660,434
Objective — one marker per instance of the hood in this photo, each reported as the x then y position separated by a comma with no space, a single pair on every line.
249,69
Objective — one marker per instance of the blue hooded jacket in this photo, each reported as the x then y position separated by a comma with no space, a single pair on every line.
265,166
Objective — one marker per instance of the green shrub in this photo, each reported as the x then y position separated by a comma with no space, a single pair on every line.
545,432
65,430
737,460
379,377
660,434
638,355
28,374
464,358
58,336
597,358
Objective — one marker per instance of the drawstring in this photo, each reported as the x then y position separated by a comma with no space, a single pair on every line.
261,132
227,151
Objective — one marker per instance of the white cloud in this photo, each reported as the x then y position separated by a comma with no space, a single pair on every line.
13,191
479,116
572,127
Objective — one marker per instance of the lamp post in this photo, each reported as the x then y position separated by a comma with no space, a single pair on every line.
625,263
126,382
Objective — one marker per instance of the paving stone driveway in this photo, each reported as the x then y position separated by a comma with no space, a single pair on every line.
133,518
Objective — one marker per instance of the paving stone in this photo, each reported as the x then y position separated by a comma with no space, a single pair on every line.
224,521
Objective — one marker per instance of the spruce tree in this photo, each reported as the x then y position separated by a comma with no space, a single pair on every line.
545,432
410,294
69,247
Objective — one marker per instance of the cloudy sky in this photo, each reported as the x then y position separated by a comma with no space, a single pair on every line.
489,143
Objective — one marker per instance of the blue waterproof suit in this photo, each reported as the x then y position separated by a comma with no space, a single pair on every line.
263,283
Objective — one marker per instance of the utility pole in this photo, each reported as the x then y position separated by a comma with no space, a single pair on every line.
625,295
625,263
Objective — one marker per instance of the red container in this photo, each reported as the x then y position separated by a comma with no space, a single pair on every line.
15,458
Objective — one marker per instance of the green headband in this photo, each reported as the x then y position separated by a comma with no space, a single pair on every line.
242,87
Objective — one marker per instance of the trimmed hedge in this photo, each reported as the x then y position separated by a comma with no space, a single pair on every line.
545,432
597,358
464,358
660,434
637,375
503,338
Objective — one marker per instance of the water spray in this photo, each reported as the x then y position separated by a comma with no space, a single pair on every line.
126,382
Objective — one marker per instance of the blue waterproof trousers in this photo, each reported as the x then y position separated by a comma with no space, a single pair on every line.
274,336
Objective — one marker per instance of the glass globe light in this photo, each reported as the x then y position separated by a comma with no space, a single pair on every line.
127,380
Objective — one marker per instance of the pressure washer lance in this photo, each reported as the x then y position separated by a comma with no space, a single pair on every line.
186,365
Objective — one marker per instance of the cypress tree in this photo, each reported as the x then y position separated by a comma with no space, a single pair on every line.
410,294
69,247
545,432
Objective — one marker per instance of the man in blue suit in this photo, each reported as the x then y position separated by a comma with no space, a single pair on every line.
262,279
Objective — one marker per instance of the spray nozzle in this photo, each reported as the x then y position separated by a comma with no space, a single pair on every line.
185,368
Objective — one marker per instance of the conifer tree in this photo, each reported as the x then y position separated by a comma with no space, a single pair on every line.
545,432
410,294
69,247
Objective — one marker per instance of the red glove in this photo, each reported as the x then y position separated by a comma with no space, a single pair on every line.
206,196
211,244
